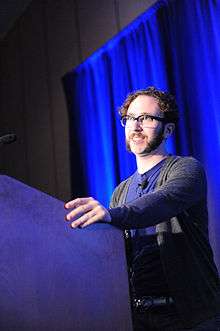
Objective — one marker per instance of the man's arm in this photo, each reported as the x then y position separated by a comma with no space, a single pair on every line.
185,186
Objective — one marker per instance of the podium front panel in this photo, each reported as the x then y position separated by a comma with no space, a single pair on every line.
53,277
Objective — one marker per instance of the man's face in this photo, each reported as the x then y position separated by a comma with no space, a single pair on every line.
143,140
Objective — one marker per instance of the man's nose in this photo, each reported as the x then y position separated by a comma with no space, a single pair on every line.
137,126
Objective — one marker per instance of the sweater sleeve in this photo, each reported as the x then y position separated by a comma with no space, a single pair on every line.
184,187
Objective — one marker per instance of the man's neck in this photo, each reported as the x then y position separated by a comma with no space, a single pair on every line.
146,162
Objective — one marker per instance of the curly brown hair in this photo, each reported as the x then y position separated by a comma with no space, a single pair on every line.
166,103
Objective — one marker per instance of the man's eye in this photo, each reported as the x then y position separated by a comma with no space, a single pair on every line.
147,118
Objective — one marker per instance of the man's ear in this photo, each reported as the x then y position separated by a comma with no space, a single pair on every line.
168,129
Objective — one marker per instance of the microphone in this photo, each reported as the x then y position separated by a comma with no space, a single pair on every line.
143,184
8,138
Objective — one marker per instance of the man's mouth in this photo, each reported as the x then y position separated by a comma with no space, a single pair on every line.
137,138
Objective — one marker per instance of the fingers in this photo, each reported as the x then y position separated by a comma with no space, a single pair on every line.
86,211
82,221
80,210
77,202
93,219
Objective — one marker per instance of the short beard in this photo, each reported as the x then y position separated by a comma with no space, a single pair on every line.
152,145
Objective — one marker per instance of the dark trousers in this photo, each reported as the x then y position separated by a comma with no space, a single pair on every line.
166,319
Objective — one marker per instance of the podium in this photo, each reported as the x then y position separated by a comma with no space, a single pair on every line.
53,277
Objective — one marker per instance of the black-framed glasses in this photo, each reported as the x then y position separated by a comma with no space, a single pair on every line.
144,120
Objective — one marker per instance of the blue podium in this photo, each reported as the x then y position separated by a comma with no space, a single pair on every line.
55,278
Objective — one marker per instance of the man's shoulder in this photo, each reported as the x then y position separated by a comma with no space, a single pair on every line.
186,165
186,161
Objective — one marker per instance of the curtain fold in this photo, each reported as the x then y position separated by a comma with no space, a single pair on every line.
174,46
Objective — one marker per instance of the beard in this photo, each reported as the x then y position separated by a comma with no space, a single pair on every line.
151,145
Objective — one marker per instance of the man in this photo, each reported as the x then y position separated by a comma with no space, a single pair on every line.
163,208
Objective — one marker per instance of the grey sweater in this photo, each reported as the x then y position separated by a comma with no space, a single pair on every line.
178,208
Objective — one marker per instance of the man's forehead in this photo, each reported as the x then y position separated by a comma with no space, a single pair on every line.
145,99
144,104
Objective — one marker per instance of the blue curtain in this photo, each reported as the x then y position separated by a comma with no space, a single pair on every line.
174,46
